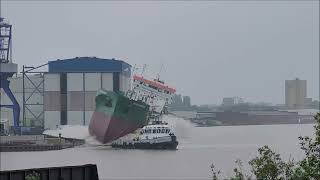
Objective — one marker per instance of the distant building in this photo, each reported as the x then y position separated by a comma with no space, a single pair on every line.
230,101
187,101
308,103
295,93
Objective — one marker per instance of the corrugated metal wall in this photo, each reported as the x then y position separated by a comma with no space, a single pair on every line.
81,90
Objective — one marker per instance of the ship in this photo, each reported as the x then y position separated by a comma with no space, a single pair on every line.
116,115
157,134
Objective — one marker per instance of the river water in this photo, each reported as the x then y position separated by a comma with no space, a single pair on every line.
198,148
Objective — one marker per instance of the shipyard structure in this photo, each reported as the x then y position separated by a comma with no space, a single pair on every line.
64,94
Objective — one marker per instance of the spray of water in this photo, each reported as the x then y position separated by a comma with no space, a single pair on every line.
180,126
69,131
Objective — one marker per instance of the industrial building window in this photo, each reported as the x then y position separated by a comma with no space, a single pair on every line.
63,116
63,98
116,81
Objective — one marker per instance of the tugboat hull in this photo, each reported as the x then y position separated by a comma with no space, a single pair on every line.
148,145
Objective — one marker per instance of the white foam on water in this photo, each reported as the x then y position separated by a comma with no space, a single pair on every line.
180,126
69,131
74,132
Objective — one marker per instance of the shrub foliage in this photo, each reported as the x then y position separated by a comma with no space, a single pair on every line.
268,165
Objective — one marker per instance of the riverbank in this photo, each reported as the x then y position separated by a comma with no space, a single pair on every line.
36,143
230,118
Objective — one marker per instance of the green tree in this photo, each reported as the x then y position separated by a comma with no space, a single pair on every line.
268,165
33,176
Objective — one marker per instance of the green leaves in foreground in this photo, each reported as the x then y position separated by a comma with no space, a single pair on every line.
268,165
33,176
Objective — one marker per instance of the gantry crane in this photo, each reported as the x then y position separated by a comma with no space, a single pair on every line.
7,70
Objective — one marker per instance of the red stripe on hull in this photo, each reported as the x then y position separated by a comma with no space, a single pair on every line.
107,129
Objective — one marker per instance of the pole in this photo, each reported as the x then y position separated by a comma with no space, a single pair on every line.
0,8
84,97
23,98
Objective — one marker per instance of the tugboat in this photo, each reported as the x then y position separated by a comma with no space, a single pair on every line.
156,135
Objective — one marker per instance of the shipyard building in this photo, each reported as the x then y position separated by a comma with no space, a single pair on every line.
65,94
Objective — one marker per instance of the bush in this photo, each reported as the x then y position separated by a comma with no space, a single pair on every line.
268,165
33,176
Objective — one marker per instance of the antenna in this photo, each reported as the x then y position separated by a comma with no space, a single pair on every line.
158,75
143,69
133,70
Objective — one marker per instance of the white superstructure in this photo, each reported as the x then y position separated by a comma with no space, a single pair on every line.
157,135
153,92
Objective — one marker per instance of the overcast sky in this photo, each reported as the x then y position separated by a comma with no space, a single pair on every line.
209,50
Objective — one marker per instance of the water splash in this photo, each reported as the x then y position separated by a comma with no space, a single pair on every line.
69,131
181,127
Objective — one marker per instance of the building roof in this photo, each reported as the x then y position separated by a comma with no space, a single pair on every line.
88,64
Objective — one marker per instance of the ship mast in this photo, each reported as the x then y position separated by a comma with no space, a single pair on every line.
143,69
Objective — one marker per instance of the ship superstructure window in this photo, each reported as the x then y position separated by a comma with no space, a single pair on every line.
154,131
163,130
153,87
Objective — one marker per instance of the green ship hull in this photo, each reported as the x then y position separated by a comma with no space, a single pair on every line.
116,115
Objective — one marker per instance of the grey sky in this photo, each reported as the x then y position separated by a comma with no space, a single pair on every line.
209,50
